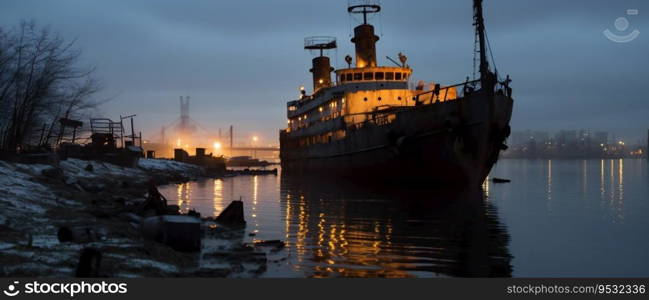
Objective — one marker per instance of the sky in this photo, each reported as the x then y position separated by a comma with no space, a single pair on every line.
241,61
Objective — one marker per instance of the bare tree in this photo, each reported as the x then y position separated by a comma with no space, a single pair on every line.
40,83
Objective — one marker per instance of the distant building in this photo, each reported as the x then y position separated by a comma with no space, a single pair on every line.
524,137
571,144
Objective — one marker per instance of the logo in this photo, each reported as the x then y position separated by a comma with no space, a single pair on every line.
12,291
622,24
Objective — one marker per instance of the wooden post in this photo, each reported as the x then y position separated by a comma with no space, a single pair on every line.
133,133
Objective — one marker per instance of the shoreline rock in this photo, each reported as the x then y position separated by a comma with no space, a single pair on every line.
97,194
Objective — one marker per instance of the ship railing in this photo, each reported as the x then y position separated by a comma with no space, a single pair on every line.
468,87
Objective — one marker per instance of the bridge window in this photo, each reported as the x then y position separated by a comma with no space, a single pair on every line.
368,76
397,76
379,75
389,76
348,76
358,76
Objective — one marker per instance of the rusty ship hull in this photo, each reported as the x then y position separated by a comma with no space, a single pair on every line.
448,143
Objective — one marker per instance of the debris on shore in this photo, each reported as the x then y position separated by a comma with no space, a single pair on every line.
90,218
500,180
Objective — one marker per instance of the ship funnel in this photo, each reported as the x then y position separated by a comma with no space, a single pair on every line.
364,37
321,64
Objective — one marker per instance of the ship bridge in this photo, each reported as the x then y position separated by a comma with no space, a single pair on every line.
359,91
370,74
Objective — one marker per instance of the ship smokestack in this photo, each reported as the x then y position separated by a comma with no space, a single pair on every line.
321,64
365,41
364,37
321,72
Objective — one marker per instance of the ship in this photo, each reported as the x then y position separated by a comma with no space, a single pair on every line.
373,123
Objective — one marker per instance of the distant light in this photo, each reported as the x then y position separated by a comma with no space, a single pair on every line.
320,81
217,145
178,143
254,138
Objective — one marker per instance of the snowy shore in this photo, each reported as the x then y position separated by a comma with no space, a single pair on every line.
36,200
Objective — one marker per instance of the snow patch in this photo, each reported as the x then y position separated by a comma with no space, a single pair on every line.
167,165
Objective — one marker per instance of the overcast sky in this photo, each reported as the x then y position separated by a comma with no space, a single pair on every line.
240,61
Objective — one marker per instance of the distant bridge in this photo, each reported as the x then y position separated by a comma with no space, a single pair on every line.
251,148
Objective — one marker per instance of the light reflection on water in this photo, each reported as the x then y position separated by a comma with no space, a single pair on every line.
595,221
550,219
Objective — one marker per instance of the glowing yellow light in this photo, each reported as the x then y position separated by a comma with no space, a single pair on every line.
217,145
254,138
178,143
320,109
186,146
320,81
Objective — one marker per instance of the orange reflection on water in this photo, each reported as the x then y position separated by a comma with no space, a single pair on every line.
183,195
218,197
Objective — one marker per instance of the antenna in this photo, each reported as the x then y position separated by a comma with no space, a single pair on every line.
393,61
321,43
364,9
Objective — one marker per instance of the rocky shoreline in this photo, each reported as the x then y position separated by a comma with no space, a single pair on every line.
38,200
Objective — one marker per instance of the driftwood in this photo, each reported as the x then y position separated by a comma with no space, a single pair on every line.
500,180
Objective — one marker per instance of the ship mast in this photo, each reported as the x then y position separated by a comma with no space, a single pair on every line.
479,27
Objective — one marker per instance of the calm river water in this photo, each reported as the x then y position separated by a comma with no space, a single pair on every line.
556,218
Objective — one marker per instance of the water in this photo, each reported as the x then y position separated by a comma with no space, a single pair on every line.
556,218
